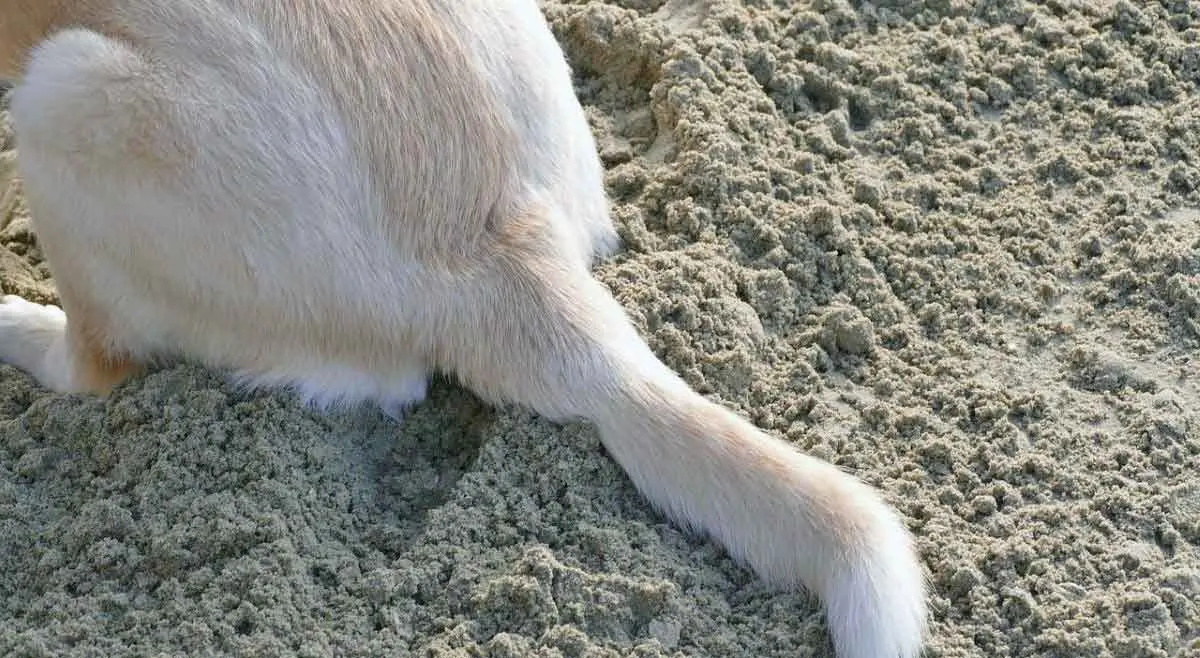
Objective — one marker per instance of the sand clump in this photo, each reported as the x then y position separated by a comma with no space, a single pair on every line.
953,247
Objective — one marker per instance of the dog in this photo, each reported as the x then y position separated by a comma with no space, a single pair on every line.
340,197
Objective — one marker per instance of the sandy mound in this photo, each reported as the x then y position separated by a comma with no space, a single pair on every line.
953,247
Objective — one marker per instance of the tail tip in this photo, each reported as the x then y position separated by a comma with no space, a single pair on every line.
879,608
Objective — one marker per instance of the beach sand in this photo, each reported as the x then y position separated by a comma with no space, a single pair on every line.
953,247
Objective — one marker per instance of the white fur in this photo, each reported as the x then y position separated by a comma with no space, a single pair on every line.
33,338
230,182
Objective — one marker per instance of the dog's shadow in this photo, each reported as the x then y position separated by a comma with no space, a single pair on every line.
414,463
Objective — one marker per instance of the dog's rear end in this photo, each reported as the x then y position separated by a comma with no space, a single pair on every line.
341,195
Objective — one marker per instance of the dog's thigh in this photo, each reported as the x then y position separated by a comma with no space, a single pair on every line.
183,213
116,166
80,110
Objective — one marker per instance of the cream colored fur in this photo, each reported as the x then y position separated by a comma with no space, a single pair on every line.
342,195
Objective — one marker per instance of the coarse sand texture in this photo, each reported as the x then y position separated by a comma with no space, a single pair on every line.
952,247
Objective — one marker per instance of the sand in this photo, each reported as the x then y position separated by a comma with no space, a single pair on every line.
952,247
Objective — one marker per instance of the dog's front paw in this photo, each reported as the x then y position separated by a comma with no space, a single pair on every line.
16,303
27,329
28,333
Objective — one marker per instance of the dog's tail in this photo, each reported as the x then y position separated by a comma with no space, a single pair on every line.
555,339
796,520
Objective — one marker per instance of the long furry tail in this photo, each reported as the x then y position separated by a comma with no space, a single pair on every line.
796,520
551,337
